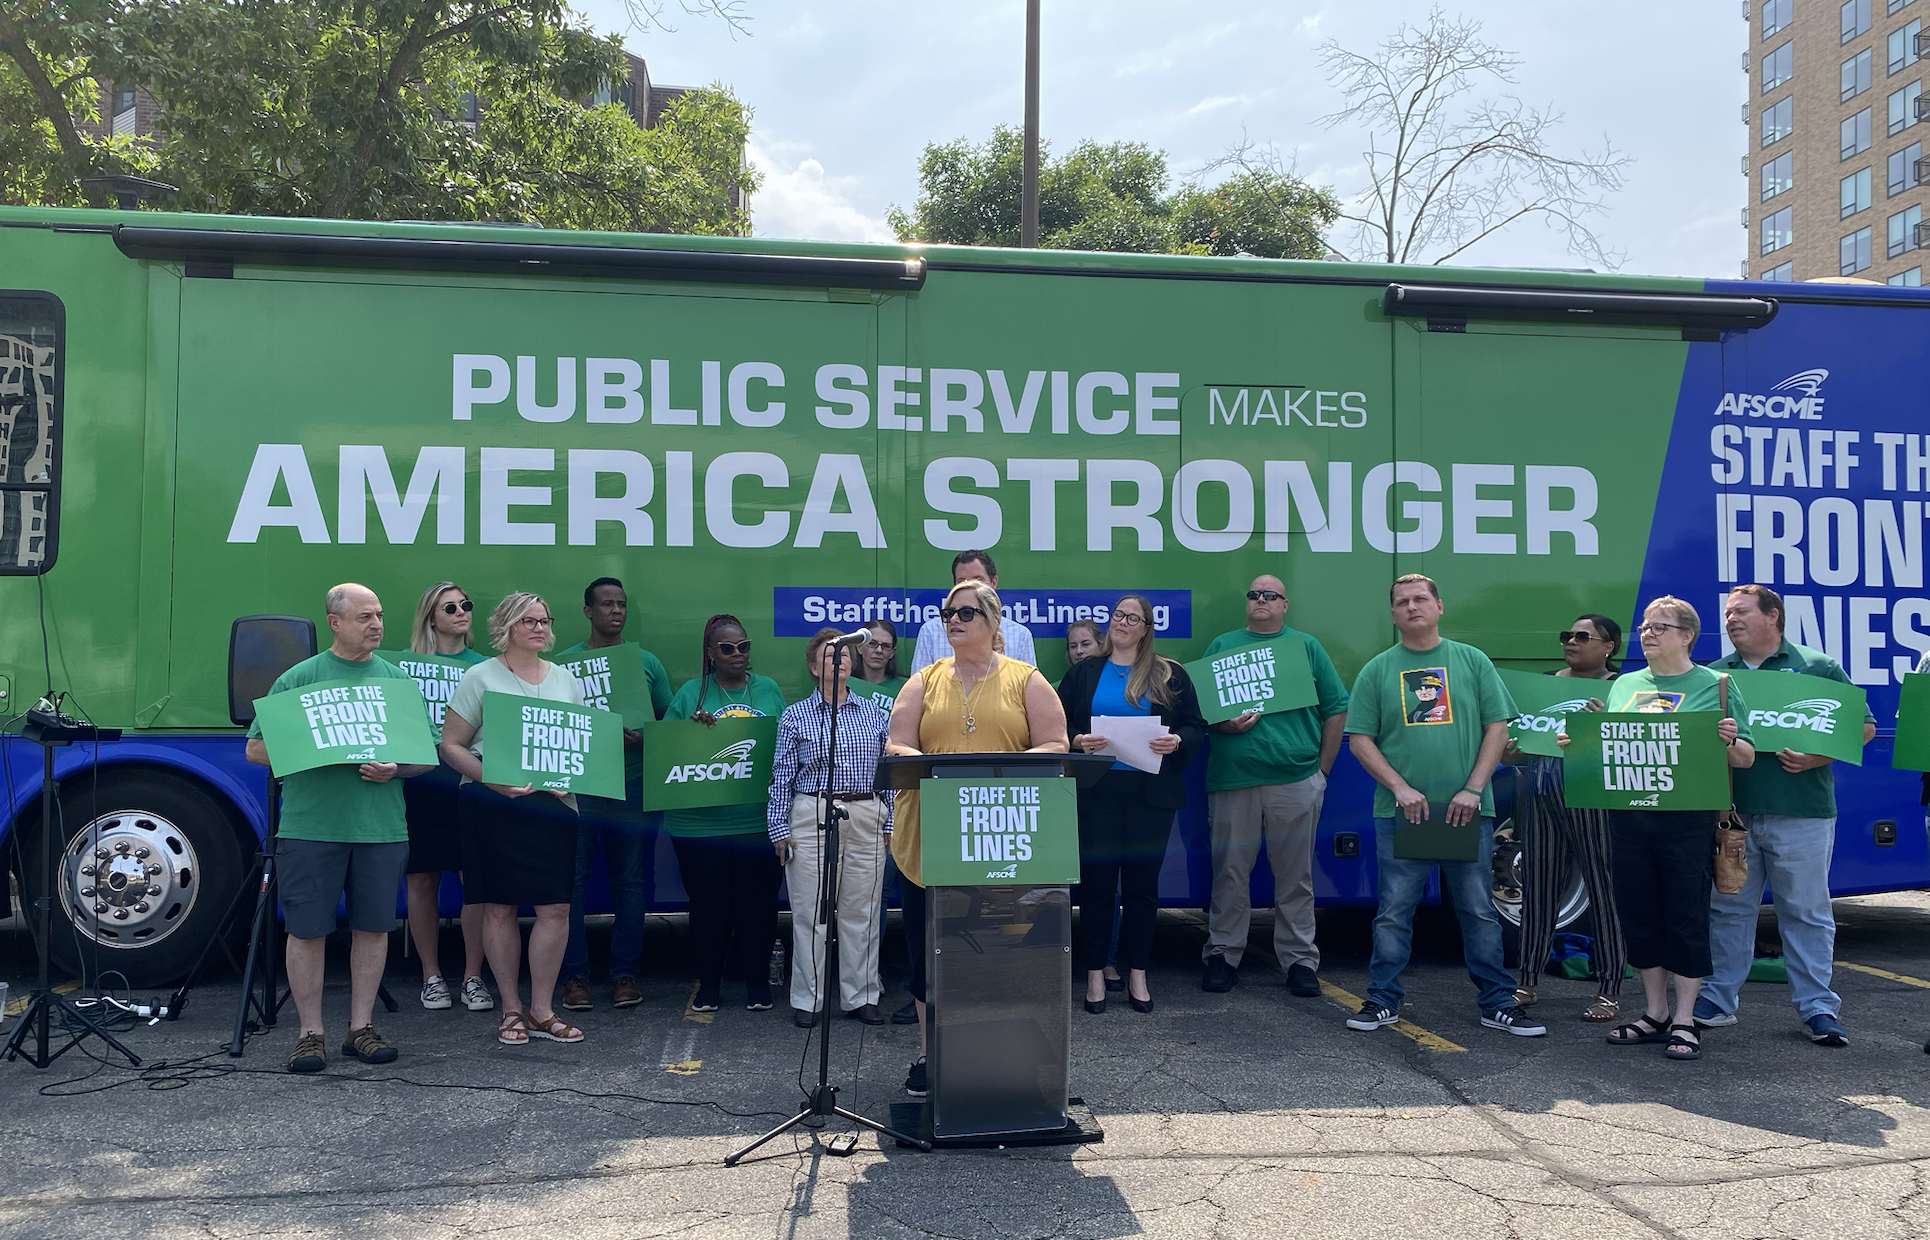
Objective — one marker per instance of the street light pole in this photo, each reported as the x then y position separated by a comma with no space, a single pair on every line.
1029,191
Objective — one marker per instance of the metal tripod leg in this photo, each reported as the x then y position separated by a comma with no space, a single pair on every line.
824,1101
260,956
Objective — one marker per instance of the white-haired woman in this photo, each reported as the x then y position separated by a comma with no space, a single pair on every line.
976,701
518,845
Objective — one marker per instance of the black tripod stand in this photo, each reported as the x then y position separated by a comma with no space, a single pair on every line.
824,1098
50,730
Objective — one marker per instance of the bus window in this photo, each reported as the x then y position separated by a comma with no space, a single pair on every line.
30,383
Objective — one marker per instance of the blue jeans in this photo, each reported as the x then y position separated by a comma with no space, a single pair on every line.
1470,885
628,838
1793,854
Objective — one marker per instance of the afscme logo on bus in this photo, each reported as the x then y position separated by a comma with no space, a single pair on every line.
1549,720
1797,397
732,762
1816,714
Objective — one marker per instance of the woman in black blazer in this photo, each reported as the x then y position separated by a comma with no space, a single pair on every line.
1125,819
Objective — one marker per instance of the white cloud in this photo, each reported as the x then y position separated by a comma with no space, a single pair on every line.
1217,101
799,200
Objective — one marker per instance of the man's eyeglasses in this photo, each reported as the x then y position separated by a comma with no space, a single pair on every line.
450,609
967,614
1269,596
1127,620
534,622
743,647
1579,635
1656,626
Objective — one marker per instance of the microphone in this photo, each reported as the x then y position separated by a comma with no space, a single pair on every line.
860,638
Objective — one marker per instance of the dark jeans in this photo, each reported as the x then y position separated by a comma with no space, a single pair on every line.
1664,874
628,838
1469,885
732,881
1122,844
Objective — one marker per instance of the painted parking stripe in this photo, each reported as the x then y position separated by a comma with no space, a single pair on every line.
1905,978
1406,1028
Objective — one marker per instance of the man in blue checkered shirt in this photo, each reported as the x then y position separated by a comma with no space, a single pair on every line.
798,790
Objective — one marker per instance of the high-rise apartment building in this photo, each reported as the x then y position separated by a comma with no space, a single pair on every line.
1839,139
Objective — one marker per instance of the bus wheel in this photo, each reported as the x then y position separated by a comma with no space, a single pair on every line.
148,864
1509,877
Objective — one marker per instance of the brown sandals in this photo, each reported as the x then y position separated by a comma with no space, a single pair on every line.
556,1029
511,1031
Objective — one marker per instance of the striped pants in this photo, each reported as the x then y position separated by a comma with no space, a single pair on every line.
1554,838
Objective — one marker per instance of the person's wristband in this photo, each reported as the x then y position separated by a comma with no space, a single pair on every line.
1469,788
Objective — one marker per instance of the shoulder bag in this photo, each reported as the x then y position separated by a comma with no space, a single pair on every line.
1732,837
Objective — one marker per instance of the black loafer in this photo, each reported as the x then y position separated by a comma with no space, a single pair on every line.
906,1015
1115,984
1303,982
868,1013
1140,1005
803,1019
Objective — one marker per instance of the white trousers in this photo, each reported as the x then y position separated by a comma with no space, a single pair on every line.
862,848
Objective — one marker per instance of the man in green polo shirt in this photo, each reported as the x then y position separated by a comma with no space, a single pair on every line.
1789,806
1266,778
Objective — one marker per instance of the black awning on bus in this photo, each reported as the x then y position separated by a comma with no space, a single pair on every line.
207,248
1458,303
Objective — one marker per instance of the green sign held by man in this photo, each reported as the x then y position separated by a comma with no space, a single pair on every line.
1263,678
346,722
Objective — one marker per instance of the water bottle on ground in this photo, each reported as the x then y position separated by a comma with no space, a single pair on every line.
777,962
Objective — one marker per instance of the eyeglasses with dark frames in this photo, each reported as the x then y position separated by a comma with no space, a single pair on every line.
1656,626
967,614
1270,596
534,622
1579,635
450,609
1127,619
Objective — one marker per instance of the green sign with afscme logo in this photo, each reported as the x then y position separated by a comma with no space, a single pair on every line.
1645,761
341,722
554,746
687,765
1544,701
1809,714
999,832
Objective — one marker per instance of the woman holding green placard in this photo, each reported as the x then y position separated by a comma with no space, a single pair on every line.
444,617
1664,858
878,677
518,845
1554,837
724,851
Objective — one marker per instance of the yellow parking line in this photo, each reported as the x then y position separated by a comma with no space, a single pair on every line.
1886,974
701,1018
1405,1027
20,1005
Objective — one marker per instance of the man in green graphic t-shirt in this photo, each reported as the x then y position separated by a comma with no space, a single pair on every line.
1428,720
343,831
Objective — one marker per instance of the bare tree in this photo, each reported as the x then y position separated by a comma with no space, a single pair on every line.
646,15
1447,172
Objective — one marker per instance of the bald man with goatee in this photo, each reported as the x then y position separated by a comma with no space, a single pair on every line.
1266,776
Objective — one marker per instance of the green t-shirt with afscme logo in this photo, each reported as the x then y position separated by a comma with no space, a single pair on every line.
1282,747
1426,710
758,698
334,803
1765,787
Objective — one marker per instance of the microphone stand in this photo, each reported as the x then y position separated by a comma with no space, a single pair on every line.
823,1100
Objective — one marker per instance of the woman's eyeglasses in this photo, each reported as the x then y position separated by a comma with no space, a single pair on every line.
1127,620
1270,596
1657,627
1579,635
450,609
743,647
967,614
534,622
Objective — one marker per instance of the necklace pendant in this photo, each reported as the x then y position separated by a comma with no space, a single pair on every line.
970,724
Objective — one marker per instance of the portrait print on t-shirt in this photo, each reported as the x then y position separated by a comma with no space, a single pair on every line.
1653,702
1424,695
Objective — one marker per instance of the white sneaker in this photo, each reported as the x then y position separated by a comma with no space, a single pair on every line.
475,995
435,994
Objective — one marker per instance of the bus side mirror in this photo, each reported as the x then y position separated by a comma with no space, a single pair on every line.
260,648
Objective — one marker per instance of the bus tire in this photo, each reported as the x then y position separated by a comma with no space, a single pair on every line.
148,865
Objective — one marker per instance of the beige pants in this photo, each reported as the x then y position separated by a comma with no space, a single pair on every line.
861,879
1283,817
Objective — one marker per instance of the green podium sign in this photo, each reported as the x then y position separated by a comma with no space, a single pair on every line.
689,766
552,746
1264,677
999,832
1645,761
345,722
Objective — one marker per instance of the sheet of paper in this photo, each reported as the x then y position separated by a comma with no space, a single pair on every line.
1129,739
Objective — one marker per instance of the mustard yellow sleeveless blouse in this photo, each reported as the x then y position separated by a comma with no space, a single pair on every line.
997,711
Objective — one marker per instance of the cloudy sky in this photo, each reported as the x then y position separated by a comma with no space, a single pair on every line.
847,94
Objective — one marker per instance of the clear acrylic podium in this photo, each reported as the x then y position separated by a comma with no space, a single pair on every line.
998,980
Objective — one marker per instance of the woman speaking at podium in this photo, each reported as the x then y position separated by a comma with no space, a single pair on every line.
976,701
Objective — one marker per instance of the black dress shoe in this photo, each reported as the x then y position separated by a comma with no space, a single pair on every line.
1303,982
1140,1005
803,1019
869,1014
1219,976
1096,1006
1115,984
906,1015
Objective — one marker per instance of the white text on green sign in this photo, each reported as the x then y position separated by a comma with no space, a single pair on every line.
347,715
1640,757
996,824
1245,677
730,762
554,740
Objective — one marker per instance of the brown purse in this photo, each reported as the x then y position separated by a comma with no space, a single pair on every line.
1732,837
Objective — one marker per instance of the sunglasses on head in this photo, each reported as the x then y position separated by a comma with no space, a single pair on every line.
967,614
1270,596
743,647
450,609
1579,635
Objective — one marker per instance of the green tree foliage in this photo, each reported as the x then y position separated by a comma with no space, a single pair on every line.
1112,197
399,109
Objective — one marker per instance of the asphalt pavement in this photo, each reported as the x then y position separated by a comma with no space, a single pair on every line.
1242,1114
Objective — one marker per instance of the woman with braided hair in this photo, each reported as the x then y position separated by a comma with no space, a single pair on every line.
724,852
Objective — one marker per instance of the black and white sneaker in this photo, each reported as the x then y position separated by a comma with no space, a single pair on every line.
915,1082
1513,1020
1372,1016
706,999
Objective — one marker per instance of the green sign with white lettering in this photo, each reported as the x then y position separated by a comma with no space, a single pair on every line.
1809,714
612,678
1645,761
1544,701
999,832
436,675
552,746
687,765
1265,677
1912,749
339,722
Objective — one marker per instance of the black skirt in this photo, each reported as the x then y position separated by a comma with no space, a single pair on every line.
518,850
435,836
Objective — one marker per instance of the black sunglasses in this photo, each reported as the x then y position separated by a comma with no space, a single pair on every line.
967,614
743,647
450,609
1579,635
1271,596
